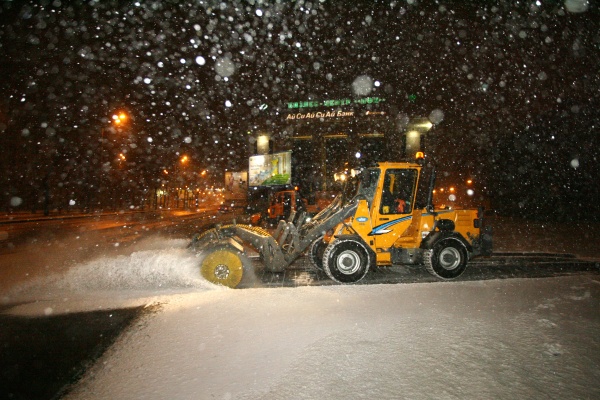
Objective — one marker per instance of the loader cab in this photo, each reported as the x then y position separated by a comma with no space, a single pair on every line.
390,191
387,184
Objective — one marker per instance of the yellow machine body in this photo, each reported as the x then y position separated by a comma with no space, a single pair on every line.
394,224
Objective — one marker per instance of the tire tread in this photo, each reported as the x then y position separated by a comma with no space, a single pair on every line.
331,247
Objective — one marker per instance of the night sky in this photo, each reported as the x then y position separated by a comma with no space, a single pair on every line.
517,82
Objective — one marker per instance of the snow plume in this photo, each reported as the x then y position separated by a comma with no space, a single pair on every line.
142,270
156,265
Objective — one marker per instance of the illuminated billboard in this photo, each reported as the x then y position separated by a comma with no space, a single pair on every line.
236,184
346,109
270,169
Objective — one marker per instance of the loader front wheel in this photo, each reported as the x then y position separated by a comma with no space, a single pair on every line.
317,248
223,267
346,260
447,259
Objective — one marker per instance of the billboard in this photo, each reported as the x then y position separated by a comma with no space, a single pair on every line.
270,169
366,108
236,184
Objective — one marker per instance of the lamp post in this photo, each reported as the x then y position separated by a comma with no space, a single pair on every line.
118,120
184,160
415,131
176,178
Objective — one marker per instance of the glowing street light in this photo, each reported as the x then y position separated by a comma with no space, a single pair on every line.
341,177
115,121
414,130
119,118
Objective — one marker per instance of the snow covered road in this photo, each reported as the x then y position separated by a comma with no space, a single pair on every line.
504,339
533,333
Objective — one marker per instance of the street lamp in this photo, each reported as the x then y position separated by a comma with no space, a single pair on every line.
182,179
117,121
119,118
416,129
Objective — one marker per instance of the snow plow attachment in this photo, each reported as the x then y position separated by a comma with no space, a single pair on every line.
223,266
223,259
222,249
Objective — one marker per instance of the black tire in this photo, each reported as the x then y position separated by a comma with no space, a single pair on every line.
346,260
315,252
447,259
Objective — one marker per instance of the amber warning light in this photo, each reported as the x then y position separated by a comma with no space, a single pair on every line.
420,157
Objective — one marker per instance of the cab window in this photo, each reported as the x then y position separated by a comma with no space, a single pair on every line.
368,184
397,191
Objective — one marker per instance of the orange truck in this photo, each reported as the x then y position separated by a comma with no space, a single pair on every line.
286,201
283,203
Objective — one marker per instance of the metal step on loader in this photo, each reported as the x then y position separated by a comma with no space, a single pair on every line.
390,220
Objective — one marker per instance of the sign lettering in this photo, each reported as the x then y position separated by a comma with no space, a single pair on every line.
320,115
333,102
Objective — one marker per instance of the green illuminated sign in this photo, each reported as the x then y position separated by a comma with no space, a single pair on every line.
333,103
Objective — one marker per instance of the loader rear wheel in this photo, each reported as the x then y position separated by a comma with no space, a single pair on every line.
346,260
223,267
315,253
447,259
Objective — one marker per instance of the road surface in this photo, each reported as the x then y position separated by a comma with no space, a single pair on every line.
46,349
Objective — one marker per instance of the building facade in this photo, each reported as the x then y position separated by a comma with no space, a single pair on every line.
327,136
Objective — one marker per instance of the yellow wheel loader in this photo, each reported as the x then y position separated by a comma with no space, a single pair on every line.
389,220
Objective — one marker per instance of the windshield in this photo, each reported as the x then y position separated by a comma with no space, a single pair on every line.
368,184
